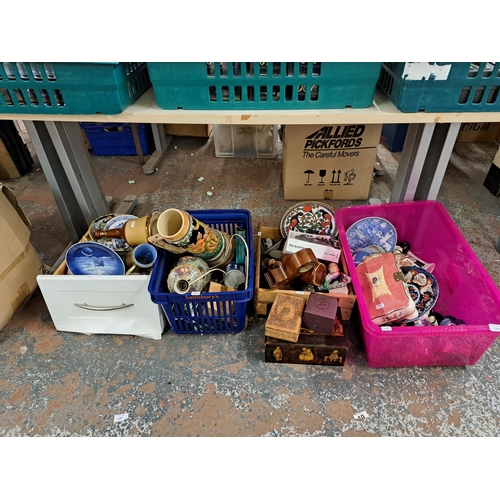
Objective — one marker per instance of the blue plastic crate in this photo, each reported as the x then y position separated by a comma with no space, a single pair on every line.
70,88
116,139
395,136
263,86
442,87
206,313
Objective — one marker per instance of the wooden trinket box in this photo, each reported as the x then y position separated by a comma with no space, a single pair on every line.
308,350
285,319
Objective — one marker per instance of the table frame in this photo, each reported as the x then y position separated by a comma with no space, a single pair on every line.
65,160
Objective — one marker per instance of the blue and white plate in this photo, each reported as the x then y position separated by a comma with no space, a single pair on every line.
89,257
116,223
372,231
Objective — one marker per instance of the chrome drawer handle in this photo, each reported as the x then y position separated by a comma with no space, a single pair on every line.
97,308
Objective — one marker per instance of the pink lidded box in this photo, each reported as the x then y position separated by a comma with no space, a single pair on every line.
466,290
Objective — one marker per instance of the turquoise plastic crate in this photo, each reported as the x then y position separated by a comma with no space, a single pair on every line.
442,87
263,86
71,88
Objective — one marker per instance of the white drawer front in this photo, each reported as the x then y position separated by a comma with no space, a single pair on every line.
102,304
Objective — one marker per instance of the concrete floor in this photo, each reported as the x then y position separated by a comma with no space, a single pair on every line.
63,384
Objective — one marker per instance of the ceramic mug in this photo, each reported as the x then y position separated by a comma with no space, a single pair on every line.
142,256
235,275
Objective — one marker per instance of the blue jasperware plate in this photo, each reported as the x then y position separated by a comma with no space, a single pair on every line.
89,257
372,231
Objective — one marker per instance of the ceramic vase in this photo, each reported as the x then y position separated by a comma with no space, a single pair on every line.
188,275
181,229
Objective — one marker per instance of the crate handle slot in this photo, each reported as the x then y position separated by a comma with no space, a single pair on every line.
7,97
9,71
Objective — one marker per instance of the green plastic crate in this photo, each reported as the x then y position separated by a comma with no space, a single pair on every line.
263,86
442,87
71,88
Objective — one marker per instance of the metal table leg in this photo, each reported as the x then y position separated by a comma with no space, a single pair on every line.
412,160
437,160
162,143
66,164
426,154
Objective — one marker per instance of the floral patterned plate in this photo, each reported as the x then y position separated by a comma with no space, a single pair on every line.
309,217
423,289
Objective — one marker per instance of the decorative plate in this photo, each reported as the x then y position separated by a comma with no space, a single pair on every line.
372,231
309,217
423,289
115,223
99,223
89,257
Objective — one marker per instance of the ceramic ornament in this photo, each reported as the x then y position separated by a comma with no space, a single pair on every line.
190,274
181,229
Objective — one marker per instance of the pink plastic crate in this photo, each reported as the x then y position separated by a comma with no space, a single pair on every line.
466,291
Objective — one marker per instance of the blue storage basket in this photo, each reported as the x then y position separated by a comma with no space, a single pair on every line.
206,312
442,87
263,86
116,139
71,88
395,136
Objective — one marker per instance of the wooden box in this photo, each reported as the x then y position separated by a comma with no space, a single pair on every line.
308,350
320,312
285,318
264,296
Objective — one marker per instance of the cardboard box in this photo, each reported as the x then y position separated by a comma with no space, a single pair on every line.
331,162
20,263
322,246
188,129
8,169
478,132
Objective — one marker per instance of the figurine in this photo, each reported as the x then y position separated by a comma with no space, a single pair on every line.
335,278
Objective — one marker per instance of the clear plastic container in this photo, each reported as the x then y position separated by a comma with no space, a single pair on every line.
245,141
